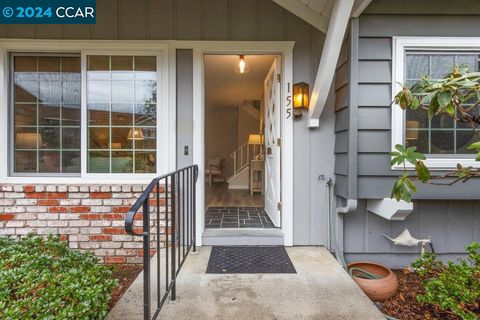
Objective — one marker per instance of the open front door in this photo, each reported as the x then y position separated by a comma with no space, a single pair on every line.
272,143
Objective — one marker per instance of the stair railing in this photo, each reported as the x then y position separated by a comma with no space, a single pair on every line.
243,154
168,212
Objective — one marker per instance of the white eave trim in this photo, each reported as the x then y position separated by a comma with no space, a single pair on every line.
305,13
359,7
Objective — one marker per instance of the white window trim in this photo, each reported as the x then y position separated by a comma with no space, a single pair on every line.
165,107
399,46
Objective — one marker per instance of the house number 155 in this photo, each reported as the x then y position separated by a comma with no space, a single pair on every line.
289,102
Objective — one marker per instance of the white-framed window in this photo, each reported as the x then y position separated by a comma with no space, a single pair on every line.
84,111
45,114
442,139
121,103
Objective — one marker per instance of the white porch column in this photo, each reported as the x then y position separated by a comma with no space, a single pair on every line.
326,70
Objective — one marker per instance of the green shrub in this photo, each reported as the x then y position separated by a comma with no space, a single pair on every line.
41,278
454,287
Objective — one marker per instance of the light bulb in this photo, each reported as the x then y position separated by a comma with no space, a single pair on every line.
241,64
241,67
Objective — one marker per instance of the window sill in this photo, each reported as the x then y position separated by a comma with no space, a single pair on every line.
442,164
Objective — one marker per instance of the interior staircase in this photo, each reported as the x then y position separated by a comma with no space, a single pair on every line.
241,165
244,153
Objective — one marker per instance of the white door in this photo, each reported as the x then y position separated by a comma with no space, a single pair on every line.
272,142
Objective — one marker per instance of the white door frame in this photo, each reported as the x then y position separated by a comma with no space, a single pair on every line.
283,48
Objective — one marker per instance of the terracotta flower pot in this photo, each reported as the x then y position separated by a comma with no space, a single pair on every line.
376,289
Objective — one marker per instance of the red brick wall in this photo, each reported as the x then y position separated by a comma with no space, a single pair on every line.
89,217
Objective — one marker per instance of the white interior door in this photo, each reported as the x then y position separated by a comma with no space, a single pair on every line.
272,143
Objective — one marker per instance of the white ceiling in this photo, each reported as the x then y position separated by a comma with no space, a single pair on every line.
226,88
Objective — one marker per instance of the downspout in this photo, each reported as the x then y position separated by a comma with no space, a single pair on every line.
350,206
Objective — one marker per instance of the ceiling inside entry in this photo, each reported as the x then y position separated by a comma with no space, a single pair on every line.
226,88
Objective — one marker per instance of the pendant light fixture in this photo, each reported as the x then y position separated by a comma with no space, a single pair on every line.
241,66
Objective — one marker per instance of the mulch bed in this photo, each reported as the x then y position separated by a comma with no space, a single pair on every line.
404,305
125,274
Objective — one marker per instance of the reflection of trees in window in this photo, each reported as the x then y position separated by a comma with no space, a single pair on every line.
46,104
122,102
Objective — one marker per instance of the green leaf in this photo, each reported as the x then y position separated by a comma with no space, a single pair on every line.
449,108
428,98
397,160
422,171
411,149
444,98
419,156
415,103
400,148
410,185
433,108
474,146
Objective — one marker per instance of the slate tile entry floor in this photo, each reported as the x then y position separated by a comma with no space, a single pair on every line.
237,217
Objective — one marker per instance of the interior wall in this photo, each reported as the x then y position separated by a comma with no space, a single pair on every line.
221,127
247,124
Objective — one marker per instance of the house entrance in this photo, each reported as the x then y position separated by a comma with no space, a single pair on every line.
242,141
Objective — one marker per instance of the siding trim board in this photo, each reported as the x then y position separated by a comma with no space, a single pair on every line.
353,105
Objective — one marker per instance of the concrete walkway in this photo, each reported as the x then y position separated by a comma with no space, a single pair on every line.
321,289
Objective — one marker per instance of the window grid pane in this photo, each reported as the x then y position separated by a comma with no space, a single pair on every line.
121,103
442,134
39,100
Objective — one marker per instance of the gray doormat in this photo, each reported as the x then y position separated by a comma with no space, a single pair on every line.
250,259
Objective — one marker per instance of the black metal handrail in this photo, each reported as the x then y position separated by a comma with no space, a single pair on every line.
174,210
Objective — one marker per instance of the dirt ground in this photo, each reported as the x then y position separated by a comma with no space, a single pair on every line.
404,305
125,274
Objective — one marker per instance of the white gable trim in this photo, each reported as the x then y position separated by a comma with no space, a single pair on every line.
359,7
305,13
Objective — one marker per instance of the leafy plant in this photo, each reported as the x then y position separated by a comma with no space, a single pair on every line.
456,95
41,278
454,287
404,187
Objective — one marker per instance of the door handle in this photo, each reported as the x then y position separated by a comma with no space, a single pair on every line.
269,150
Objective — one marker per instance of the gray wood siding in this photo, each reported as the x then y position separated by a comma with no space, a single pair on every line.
438,214
415,7
252,20
375,177
451,225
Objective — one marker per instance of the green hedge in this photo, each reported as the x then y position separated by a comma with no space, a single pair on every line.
453,287
41,278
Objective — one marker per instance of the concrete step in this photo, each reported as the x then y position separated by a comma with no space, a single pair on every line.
243,237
